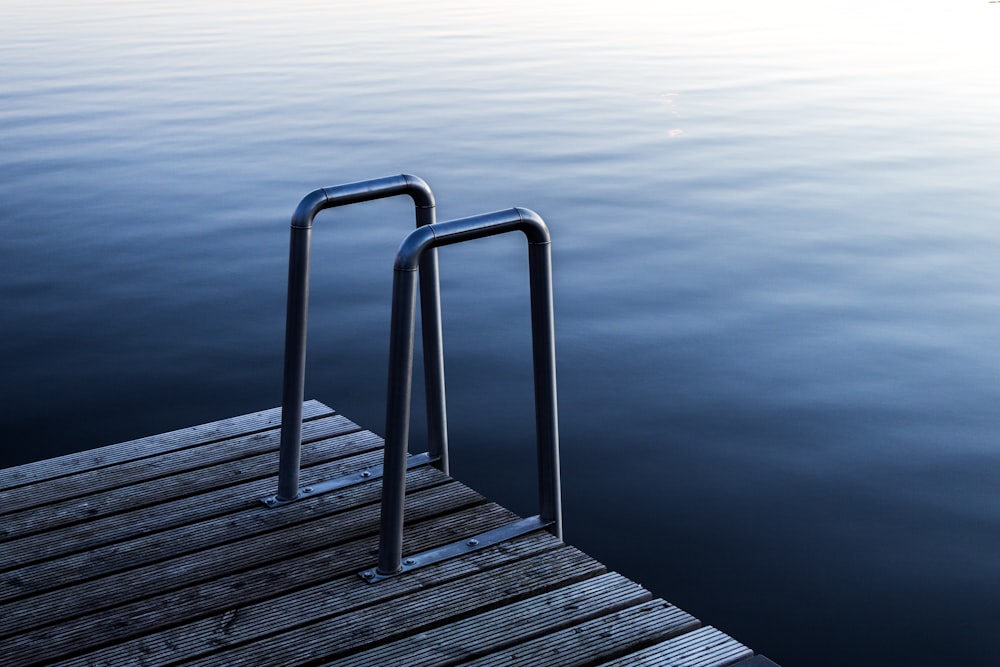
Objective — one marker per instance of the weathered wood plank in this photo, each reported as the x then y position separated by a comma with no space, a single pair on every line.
706,647
238,589
156,491
161,465
601,638
156,444
248,622
143,521
52,606
254,519
343,630
382,622
492,630
157,552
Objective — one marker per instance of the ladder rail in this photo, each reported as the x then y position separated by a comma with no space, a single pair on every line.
293,379
409,258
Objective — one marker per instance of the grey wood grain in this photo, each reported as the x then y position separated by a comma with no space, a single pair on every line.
75,599
217,596
492,630
246,622
706,647
157,552
151,445
158,490
600,638
159,465
142,521
253,519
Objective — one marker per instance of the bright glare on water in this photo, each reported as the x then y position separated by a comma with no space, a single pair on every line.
775,231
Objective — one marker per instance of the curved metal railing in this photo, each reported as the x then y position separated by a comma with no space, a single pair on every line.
293,383
416,261
412,253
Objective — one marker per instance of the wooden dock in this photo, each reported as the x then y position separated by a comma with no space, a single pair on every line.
158,551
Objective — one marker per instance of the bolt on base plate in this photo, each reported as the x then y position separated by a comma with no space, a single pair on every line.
468,545
353,479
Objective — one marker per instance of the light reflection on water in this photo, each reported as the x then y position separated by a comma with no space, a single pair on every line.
774,232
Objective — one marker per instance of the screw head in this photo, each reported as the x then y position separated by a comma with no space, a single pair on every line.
308,489
368,574
409,561
473,542
269,501
366,474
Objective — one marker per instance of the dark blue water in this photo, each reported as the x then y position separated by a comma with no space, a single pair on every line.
775,230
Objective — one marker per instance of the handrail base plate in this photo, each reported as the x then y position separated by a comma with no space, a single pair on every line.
460,548
344,481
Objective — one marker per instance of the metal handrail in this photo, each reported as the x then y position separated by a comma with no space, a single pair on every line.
417,246
293,383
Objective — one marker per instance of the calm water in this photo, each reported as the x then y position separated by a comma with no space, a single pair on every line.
775,228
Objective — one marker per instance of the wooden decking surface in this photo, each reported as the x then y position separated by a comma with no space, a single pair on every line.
159,552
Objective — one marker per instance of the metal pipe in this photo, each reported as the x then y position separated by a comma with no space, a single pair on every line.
411,251
543,348
432,337
293,380
397,413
